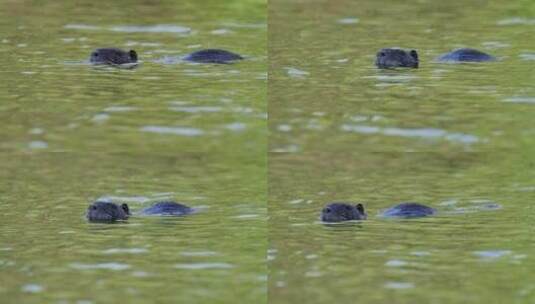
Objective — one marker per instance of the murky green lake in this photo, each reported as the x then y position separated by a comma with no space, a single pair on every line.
477,249
458,137
327,95
73,133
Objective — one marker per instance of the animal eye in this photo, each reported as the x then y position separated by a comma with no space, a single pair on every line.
327,210
94,207
95,54
382,54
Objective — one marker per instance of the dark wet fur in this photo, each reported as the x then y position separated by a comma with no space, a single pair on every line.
107,212
213,56
113,56
466,55
167,208
339,212
393,58
409,210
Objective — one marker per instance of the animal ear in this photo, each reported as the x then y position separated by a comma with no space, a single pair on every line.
414,54
125,208
360,208
133,55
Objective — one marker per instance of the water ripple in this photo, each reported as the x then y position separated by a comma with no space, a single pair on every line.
108,266
429,133
125,250
182,131
158,28
199,266
32,288
519,99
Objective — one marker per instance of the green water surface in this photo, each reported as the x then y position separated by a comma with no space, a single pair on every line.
457,137
166,130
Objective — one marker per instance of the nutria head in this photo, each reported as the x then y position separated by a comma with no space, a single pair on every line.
107,212
392,58
112,56
133,55
339,212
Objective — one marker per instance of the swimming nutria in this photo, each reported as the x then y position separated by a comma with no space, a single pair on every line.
113,56
339,212
392,58
465,55
408,210
212,56
107,212
167,208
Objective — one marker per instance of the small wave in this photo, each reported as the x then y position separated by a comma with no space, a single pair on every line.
399,285
82,27
108,266
221,32
199,253
350,20
247,25
199,266
158,28
396,263
119,109
517,21
130,199
32,288
38,144
236,126
527,56
492,254
196,109
296,73
429,133
518,99
182,131
125,250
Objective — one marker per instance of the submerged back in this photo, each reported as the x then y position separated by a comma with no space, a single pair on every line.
408,210
167,208
213,56
466,55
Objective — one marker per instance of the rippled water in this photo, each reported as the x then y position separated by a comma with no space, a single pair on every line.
73,133
457,137
327,95
478,248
